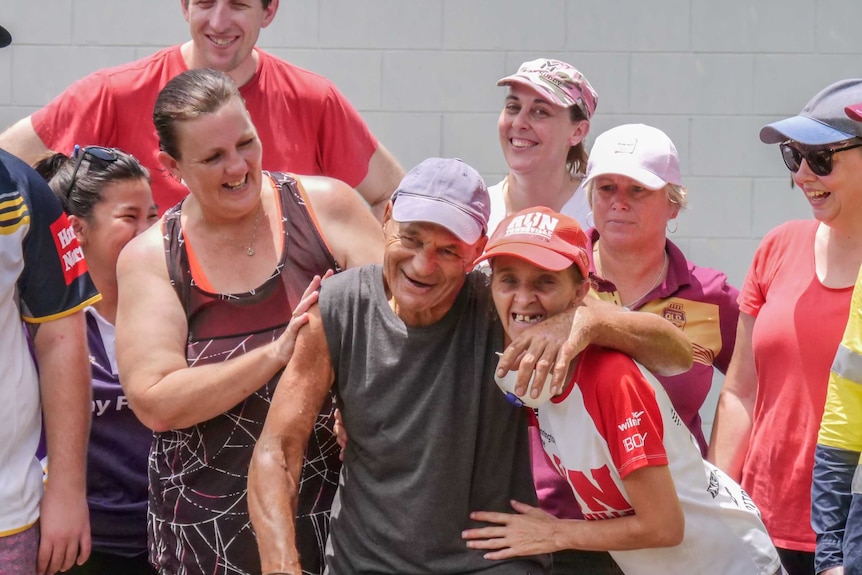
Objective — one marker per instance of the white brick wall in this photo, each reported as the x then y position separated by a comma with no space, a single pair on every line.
423,72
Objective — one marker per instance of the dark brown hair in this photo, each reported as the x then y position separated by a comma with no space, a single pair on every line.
576,160
188,96
93,176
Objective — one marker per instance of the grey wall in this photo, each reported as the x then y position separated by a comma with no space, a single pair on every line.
423,72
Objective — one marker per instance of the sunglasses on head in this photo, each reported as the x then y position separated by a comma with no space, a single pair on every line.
819,159
106,155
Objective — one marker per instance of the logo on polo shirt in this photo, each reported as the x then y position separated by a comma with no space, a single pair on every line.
675,314
534,224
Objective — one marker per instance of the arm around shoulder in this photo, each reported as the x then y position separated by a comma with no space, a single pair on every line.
550,346
651,340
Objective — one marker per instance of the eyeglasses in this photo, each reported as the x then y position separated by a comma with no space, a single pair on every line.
106,155
819,159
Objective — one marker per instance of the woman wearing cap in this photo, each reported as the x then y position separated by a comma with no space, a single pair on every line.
794,303
541,128
210,301
648,496
634,188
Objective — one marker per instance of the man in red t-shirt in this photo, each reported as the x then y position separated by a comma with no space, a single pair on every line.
305,124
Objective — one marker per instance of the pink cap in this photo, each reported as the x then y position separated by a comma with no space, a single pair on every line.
543,237
559,81
854,111
640,152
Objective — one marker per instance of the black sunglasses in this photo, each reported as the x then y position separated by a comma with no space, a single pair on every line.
819,159
106,155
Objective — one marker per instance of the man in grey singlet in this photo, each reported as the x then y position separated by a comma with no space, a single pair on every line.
410,347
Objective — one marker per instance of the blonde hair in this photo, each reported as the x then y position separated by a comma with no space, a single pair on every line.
675,193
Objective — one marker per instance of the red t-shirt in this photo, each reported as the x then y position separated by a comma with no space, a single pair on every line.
799,326
305,124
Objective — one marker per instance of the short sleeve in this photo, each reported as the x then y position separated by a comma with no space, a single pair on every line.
55,281
763,268
631,419
345,144
81,114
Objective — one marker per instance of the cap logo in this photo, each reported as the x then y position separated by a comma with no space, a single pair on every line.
626,146
533,224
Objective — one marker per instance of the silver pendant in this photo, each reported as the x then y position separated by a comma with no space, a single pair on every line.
249,251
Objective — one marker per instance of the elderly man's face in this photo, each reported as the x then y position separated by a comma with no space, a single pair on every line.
424,268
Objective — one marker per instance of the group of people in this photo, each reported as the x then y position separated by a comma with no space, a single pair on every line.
185,247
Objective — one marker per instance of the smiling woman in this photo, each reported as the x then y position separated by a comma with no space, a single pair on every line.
210,302
795,303
542,126
647,495
634,186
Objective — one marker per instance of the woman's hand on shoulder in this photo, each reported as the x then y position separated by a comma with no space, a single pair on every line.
283,347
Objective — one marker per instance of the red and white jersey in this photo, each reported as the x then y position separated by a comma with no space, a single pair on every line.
616,418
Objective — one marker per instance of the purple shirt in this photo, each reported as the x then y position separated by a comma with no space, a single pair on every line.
117,454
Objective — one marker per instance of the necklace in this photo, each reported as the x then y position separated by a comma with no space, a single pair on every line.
657,281
249,249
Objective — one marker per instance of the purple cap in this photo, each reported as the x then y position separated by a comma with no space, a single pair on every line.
823,120
446,192
5,37
559,81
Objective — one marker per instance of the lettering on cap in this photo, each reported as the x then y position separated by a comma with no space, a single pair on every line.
534,224
626,146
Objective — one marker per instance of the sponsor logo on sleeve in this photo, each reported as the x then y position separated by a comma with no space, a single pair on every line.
635,440
68,250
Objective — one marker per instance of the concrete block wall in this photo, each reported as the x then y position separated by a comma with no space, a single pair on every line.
423,73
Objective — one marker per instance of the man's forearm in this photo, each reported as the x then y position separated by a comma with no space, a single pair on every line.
273,486
651,340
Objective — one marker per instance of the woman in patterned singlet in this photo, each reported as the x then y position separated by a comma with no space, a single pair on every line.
205,327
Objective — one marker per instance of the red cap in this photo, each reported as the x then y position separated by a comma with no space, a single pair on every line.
543,237
854,111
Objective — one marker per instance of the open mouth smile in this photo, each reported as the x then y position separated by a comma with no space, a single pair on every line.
528,319
234,186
